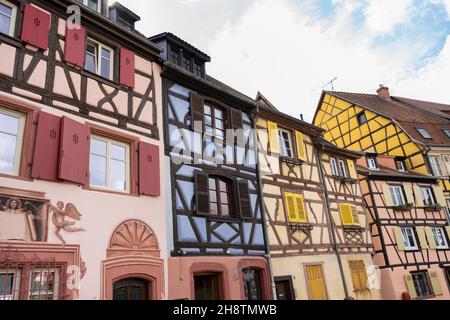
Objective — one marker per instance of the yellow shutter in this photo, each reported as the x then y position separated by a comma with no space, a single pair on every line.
355,216
430,237
387,196
435,284
422,238
352,169
439,194
301,151
301,209
419,198
346,214
316,283
410,286
290,207
274,140
448,231
399,239
409,194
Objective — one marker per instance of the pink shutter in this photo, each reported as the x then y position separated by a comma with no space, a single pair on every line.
75,46
127,67
149,175
35,27
46,150
73,164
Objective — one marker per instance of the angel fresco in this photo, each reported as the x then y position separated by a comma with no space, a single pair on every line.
59,217
17,222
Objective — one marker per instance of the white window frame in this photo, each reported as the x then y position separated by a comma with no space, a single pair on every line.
283,147
442,231
109,142
13,17
400,165
427,193
395,191
436,166
424,133
334,167
372,163
409,246
19,141
343,168
86,3
16,285
56,283
98,58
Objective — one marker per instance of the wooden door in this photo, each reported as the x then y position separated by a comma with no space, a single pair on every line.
284,289
316,283
131,289
207,287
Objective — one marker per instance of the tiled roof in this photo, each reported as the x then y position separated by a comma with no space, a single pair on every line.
181,43
408,117
394,174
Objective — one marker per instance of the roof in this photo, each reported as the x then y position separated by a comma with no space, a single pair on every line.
439,109
120,7
335,149
180,42
262,99
385,173
406,115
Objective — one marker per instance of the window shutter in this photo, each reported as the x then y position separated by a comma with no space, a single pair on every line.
236,119
127,67
73,160
448,231
430,237
439,195
290,207
410,285
197,105
399,239
46,150
355,216
202,194
149,170
300,145
418,195
346,214
274,141
244,200
387,196
352,169
301,209
409,194
75,46
35,27
422,237
435,284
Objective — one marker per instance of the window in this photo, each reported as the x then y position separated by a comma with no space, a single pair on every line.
187,63
131,289
349,215
447,132
44,285
99,59
92,4
174,56
8,14
334,167
252,284
9,284
439,236
424,133
207,287
109,164
221,197
409,238
362,119
214,121
343,168
422,284
285,143
436,166
372,163
198,69
359,275
315,281
428,197
295,207
11,138
400,164
398,196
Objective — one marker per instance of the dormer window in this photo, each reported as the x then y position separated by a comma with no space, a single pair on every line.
92,4
424,133
362,119
400,165
447,132
286,149
174,56
372,163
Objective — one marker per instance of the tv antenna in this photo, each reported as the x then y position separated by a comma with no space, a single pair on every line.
330,83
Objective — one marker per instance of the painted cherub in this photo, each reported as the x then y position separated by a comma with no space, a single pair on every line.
59,219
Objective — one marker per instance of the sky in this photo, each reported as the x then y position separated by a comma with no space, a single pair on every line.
290,50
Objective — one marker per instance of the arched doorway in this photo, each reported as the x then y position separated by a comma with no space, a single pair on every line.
132,289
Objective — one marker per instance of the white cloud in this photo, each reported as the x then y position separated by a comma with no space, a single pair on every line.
383,15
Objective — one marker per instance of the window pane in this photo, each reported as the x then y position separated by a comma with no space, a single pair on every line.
6,10
214,210
225,211
118,152
208,110
106,54
213,196
6,286
91,64
105,68
224,197
5,23
212,184
9,124
98,147
219,114
208,121
8,145
118,175
98,171
93,4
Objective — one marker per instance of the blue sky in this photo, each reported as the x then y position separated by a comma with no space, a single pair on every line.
288,49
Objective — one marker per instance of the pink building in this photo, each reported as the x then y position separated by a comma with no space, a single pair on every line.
82,205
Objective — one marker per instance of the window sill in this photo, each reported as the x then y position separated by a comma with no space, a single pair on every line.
295,226
346,180
99,78
425,297
11,40
126,194
14,177
354,229
225,220
291,161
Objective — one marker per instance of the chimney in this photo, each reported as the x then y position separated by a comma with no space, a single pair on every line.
383,92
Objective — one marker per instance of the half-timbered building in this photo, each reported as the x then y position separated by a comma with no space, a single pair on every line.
82,205
217,245
318,233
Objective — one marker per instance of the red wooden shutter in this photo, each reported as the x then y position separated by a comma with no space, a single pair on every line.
149,174
244,200
35,27
73,164
202,194
127,67
46,150
75,46
197,106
